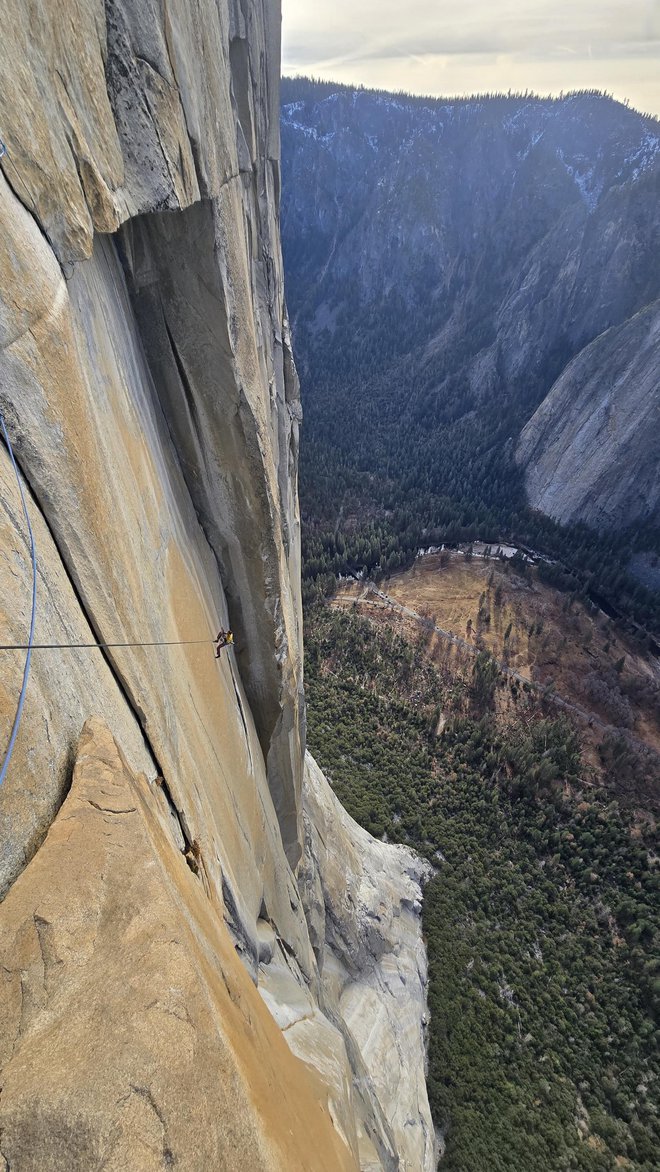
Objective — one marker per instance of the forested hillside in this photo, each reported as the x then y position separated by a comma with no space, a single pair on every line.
445,263
542,923
458,272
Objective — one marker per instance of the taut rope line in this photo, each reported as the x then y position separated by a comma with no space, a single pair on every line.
75,646
222,640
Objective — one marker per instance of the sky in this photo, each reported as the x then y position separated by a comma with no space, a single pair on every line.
468,46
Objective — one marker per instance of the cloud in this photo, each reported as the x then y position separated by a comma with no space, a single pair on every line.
365,38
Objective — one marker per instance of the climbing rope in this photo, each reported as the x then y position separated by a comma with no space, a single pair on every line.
28,646
31,646
75,646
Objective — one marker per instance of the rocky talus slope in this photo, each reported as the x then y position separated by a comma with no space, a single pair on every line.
205,964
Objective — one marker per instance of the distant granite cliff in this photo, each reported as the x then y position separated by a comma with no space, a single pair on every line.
166,855
449,262
591,449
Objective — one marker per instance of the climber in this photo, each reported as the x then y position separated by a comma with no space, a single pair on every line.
223,639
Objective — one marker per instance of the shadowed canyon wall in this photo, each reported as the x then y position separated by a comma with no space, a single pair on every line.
171,991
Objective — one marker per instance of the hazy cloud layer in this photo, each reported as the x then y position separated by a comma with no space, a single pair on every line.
433,46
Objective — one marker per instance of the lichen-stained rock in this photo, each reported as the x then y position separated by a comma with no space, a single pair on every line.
132,1037
364,900
590,451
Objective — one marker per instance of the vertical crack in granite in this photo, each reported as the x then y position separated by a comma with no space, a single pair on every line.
180,298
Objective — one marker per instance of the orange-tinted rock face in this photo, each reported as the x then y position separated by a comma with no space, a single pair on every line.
132,1035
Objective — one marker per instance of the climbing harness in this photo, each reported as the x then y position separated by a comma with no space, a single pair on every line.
28,645
223,639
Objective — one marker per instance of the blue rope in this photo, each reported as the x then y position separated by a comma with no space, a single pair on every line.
28,657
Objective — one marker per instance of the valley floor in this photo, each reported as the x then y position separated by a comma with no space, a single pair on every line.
509,734
572,656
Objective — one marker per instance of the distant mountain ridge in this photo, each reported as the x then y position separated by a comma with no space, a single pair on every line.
447,260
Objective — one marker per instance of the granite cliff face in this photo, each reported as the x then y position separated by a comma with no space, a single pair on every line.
158,868
591,448
470,251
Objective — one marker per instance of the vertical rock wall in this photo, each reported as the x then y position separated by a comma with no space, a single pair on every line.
147,383
193,395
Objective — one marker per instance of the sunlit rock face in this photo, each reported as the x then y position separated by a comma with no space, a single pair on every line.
147,384
132,1034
